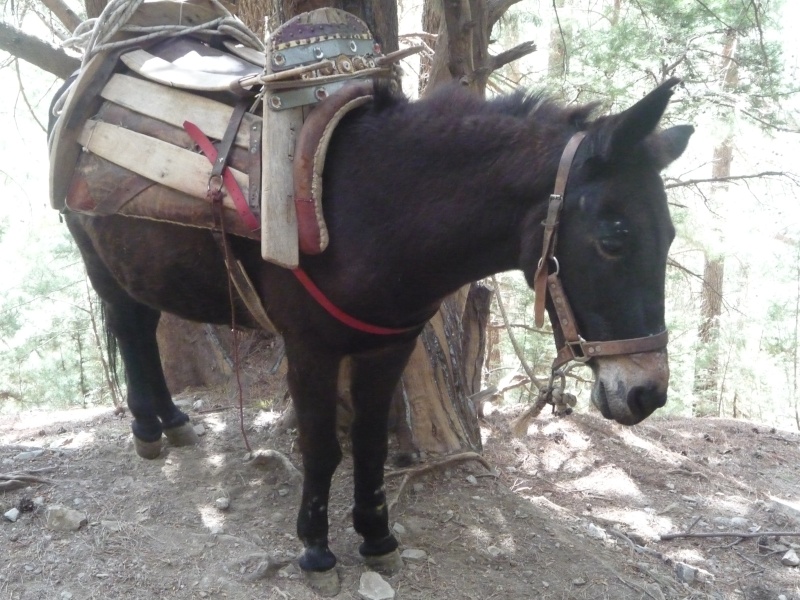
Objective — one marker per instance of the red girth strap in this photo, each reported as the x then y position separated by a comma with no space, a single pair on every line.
340,315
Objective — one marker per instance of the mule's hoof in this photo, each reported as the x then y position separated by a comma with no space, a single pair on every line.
148,450
325,583
385,564
182,435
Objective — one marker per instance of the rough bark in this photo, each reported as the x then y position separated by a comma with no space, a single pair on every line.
36,51
463,29
436,385
193,354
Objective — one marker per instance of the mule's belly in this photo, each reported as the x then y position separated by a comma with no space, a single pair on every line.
168,267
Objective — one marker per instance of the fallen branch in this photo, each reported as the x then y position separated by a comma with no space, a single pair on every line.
15,481
741,534
412,473
637,588
688,472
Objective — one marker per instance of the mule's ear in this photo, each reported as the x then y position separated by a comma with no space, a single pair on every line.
670,144
630,127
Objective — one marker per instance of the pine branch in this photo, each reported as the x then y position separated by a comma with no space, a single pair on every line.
689,182
63,13
515,53
513,339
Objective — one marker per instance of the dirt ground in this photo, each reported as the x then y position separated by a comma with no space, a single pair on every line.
575,510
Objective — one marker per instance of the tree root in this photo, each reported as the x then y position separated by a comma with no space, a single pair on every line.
409,474
268,458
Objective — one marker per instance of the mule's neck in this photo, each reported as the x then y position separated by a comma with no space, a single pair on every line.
420,201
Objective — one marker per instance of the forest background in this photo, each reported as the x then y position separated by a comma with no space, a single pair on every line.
733,297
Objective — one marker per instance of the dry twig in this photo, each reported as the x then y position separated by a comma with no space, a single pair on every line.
410,474
740,534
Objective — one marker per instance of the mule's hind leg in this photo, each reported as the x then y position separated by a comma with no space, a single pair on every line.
312,381
374,379
134,326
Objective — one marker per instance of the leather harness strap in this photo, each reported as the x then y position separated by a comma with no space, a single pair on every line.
221,174
551,226
544,282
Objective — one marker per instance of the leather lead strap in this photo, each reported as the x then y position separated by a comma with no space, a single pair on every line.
226,143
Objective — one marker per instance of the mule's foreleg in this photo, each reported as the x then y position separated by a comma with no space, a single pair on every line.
374,379
312,382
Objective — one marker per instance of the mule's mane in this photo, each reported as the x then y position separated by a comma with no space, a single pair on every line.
537,117
455,100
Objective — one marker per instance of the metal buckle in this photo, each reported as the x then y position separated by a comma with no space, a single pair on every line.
577,351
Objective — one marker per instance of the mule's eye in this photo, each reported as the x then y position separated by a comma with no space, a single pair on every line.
612,239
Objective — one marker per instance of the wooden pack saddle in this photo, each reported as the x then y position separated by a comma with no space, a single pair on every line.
120,145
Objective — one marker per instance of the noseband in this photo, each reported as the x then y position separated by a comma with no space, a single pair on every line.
544,282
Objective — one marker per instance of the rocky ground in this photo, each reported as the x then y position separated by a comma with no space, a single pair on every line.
577,509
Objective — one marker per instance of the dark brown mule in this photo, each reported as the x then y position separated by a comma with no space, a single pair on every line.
420,199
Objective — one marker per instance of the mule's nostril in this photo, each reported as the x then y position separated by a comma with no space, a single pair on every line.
643,400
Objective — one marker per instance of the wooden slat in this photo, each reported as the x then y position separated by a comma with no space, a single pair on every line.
279,236
174,107
149,157
82,100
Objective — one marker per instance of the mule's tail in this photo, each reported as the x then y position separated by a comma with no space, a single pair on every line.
112,372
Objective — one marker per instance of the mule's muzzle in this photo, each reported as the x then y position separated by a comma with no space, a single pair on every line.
641,400
628,389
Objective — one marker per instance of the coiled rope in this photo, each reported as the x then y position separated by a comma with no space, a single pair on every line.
94,35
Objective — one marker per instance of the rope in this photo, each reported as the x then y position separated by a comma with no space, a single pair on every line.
93,35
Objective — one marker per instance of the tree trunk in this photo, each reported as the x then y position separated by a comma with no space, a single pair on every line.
707,362
444,370
193,354
557,52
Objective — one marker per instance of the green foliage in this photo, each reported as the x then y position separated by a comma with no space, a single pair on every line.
49,355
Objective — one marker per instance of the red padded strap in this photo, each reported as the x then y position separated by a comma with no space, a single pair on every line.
233,188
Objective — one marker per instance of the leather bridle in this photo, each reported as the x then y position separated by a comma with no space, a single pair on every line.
544,282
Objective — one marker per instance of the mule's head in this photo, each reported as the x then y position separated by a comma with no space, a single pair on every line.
614,234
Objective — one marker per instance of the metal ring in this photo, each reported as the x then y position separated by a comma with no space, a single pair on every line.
217,180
